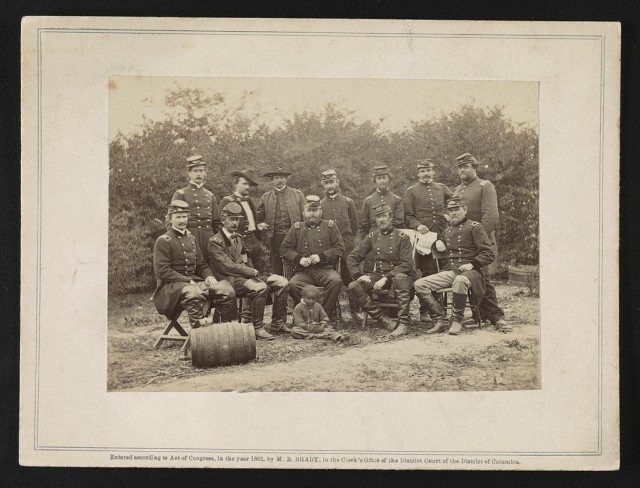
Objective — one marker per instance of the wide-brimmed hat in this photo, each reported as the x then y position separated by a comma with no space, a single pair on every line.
279,171
247,174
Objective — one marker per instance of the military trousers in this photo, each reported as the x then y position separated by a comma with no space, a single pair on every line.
277,265
326,278
460,283
194,296
255,291
361,292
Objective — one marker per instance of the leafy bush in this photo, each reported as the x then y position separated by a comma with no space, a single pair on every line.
146,168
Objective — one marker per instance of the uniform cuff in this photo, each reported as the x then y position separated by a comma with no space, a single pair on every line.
388,276
476,264
357,275
323,257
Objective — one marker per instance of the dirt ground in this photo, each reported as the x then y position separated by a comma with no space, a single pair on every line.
478,359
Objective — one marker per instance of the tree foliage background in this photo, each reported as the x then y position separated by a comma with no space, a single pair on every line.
147,167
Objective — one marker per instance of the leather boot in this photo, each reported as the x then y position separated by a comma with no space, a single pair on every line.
425,316
400,330
194,311
402,287
438,314
459,302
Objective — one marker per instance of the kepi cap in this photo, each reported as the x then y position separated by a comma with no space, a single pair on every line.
195,161
312,202
455,203
466,158
381,170
247,174
177,206
425,164
279,171
381,208
329,175
231,209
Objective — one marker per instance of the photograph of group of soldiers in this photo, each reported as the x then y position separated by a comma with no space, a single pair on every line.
317,245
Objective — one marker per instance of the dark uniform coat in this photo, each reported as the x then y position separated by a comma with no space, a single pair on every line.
384,253
342,210
376,198
266,209
303,241
204,217
176,261
467,242
229,258
482,204
424,203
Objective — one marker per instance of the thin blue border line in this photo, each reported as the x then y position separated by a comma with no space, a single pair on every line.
314,34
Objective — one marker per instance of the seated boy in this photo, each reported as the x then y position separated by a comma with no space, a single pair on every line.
309,318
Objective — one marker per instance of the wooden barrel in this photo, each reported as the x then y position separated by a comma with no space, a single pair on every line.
223,344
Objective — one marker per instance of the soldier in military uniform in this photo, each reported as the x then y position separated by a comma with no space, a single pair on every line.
277,211
424,210
381,195
249,227
482,206
342,210
313,248
204,219
183,277
230,262
386,254
469,250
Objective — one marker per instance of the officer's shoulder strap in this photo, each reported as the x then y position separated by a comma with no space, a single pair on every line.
190,234
370,235
330,223
180,191
482,182
348,199
457,187
297,225
166,237
216,239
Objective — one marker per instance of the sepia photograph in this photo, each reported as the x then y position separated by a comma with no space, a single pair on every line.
323,244
289,234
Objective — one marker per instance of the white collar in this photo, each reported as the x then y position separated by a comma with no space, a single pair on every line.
196,185
181,232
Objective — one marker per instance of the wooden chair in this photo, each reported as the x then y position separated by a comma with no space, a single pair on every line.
444,293
182,334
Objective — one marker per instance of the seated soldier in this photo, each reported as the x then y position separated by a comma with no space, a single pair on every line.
386,253
183,277
310,320
313,248
469,250
230,261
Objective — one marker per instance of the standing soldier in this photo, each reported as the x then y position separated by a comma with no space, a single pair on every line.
342,211
277,211
183,277
313,248
382,195
230,262
248,226
424,209
204,219
482,206
467,247
386,253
